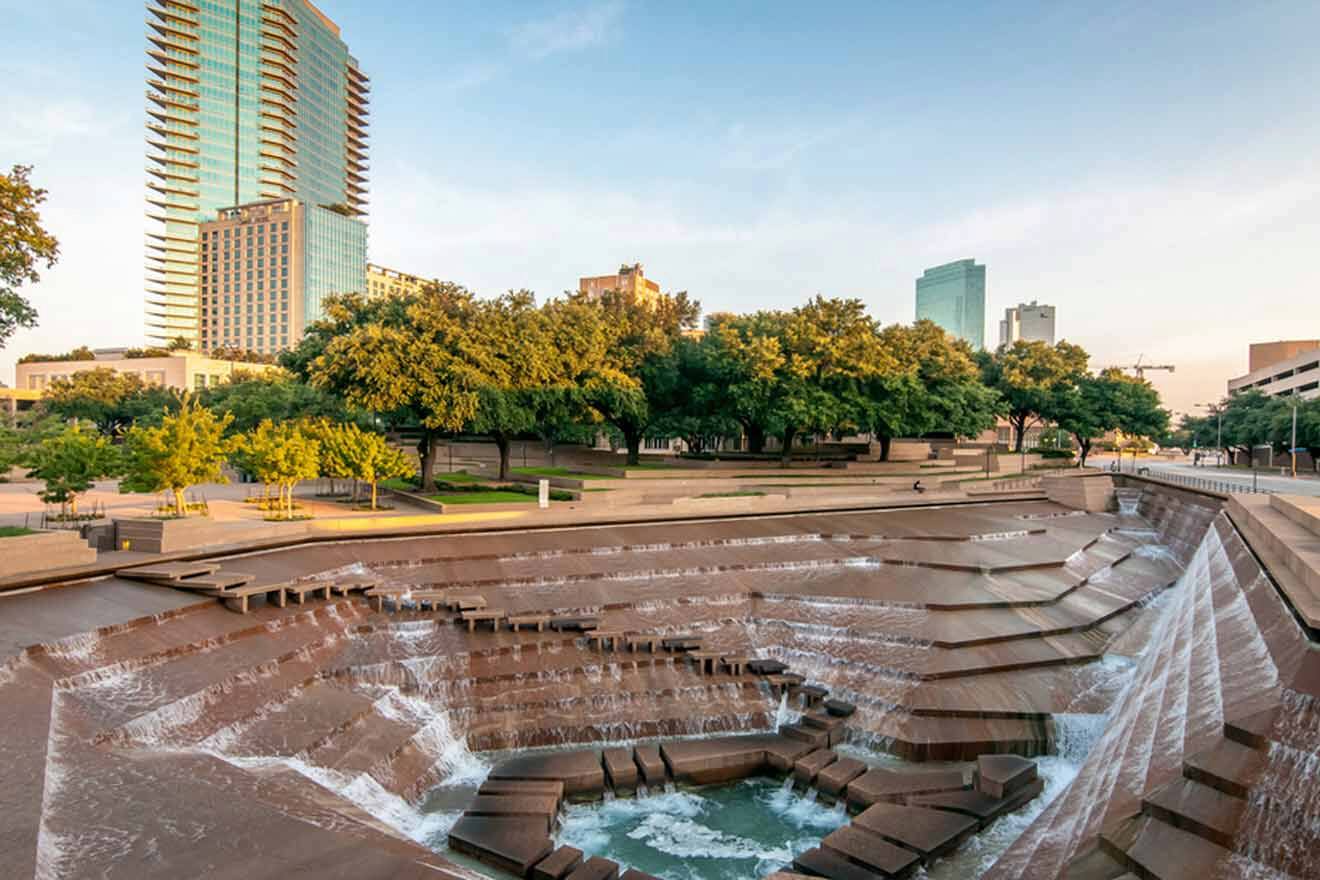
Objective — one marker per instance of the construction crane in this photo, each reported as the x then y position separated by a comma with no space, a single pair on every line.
1140,369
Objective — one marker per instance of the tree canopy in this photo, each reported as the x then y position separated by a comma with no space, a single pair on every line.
25,246
1027,375
187,448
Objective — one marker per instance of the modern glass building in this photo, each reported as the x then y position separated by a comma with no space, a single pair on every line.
250,101
953,296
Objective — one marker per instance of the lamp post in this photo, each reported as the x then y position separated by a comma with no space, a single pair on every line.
1292,447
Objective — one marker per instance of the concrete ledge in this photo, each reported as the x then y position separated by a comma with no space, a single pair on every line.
1092,492
43,551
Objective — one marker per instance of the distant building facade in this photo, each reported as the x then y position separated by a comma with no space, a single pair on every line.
953,296
1282,368
1029,322
180,370
391,282
249,101
629,280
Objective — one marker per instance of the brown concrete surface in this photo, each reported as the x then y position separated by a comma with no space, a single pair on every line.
955,631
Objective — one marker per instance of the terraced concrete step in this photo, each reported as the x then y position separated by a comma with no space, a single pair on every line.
1199,809
301,723
1227,765
926,832
870,851
512,845
361,746
820,862
1155,850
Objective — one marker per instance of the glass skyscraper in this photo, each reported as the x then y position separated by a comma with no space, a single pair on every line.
953,296
250,101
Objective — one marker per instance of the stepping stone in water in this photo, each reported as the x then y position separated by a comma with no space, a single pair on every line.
558,864
931,833
509,844
596,868
1001,775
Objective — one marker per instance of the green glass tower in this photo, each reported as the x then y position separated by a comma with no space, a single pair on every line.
953,296
250,101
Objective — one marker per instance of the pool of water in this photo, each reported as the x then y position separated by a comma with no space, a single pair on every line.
742,830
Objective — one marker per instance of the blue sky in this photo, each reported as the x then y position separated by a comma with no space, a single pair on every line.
1148,168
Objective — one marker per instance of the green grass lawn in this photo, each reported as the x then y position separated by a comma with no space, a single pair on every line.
557,472
14,532
493,497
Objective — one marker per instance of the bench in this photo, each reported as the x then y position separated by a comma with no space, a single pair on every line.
736,664
472,618
241,594
577,624
465,603
606,639
537,620
635,641
302,589
705,659
679,644
380,594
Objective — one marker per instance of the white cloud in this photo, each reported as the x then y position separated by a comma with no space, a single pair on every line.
34,126
569,31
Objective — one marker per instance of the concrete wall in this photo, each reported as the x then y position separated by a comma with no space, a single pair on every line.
1091,492
43,551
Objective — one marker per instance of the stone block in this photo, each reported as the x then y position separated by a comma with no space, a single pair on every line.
715,760
581,772
651,765
813,736
595,868
538,806
509,844
1000,776
805,769
931,833
620,769
43,551
897,786
820,862
558,864
523,786
833,779
980,806
869,851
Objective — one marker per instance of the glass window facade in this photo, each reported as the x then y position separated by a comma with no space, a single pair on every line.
953,296
336,258
248,100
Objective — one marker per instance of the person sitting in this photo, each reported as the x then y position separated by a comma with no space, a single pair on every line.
918,488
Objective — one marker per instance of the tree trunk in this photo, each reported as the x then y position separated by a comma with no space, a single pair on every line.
426,456
1019,424
1083,450
180,509
632,438
786,454
755,438
373,494
503,445
73,506
885,442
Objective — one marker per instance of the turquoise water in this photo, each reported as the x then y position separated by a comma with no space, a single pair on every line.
737,831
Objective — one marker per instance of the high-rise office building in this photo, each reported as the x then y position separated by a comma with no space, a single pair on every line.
953,296
250,101
1030,322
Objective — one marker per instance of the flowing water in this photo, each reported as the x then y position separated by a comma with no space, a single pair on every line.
742,830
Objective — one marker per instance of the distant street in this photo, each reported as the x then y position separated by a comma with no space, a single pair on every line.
1266,479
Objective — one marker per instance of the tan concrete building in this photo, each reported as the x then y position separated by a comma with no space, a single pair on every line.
252,277
1261,355
382,281
1282,368
629,279
180,370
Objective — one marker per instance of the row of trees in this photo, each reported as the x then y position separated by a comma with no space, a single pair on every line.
442,361
1251,420
190,445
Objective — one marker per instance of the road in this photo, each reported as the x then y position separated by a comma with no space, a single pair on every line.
1265,480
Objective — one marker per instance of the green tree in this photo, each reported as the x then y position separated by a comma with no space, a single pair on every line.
70,463
281,455
406,358
111,400
626,388
1110,401
252,398
364,456
932,385
1248,423
187,448
24,246
1027,375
